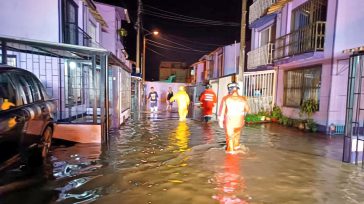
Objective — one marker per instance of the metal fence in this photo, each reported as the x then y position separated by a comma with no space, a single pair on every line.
260,88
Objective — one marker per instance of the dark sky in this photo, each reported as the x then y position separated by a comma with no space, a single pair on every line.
197,36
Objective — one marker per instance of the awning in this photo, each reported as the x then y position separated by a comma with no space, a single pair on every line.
277,6
353,50
262,21
93,10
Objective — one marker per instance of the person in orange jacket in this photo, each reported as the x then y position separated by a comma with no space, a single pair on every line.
231,116
208,100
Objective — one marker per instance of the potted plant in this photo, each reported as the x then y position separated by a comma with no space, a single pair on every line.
276,114
312,126
309,107
284,120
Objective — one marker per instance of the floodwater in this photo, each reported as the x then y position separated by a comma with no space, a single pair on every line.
157,159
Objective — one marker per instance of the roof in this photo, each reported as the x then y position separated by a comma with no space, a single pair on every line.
54,49
354,50
93,10
277,6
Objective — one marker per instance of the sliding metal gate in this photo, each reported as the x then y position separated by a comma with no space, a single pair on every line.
354,122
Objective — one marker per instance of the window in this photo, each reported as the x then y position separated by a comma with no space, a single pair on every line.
11,60
301,85
70,22
264,37
220,65
29,88
7,91
75,81
308,13
91,30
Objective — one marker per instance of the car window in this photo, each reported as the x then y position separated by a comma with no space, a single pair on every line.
34,88
42,90
7,93
25,91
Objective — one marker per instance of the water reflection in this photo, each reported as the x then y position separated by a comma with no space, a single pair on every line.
230,182
208,133
180,137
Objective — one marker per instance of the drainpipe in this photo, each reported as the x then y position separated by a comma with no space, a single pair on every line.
332,65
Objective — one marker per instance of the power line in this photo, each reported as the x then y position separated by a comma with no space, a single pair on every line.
187,20
176,43
208,22
171,46
150,49
196,42
189,17
173,49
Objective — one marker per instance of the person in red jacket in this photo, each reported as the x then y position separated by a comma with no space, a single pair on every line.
208,100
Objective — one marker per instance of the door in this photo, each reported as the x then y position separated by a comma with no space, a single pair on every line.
12,118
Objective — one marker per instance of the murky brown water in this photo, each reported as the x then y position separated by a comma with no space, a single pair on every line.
167,161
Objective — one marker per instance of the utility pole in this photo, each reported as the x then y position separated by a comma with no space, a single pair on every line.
242,44
139,28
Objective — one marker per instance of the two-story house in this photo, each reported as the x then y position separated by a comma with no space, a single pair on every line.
303,40
69,76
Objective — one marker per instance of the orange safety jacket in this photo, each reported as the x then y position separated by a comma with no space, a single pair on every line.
208,100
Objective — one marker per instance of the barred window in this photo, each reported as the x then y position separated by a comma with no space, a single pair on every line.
301,85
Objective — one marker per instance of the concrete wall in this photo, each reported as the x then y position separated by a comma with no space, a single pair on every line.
32,19
162,89
108,39
348,34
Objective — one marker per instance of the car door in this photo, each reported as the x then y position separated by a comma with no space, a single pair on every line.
12,117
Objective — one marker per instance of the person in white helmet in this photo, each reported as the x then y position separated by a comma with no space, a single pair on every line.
231,116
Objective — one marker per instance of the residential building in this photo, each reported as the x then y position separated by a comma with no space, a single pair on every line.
175,71
112,40
221,62
77,80
306,39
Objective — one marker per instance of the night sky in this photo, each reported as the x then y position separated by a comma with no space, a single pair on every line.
196,36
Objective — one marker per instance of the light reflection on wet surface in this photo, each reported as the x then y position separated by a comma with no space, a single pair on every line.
163,160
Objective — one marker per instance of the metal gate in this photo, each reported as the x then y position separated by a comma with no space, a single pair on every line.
354,122
260,88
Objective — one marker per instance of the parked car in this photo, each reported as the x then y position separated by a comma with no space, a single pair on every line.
27,115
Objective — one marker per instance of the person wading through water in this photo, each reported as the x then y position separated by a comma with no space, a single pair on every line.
183,101
169,96
231,116
208,100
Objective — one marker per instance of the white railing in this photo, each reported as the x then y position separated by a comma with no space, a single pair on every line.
261,56
260,88
258,9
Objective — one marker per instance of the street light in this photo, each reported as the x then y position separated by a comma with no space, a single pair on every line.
144,46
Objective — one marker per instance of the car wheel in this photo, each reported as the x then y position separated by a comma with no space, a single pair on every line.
46,141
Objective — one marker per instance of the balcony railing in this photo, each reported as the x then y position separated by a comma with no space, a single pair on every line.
258,9
261,56
72,34
310,38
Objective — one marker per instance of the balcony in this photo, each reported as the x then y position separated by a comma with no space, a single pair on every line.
310,38
259,8
72,34
260,56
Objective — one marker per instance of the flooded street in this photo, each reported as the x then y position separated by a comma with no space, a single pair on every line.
157,159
